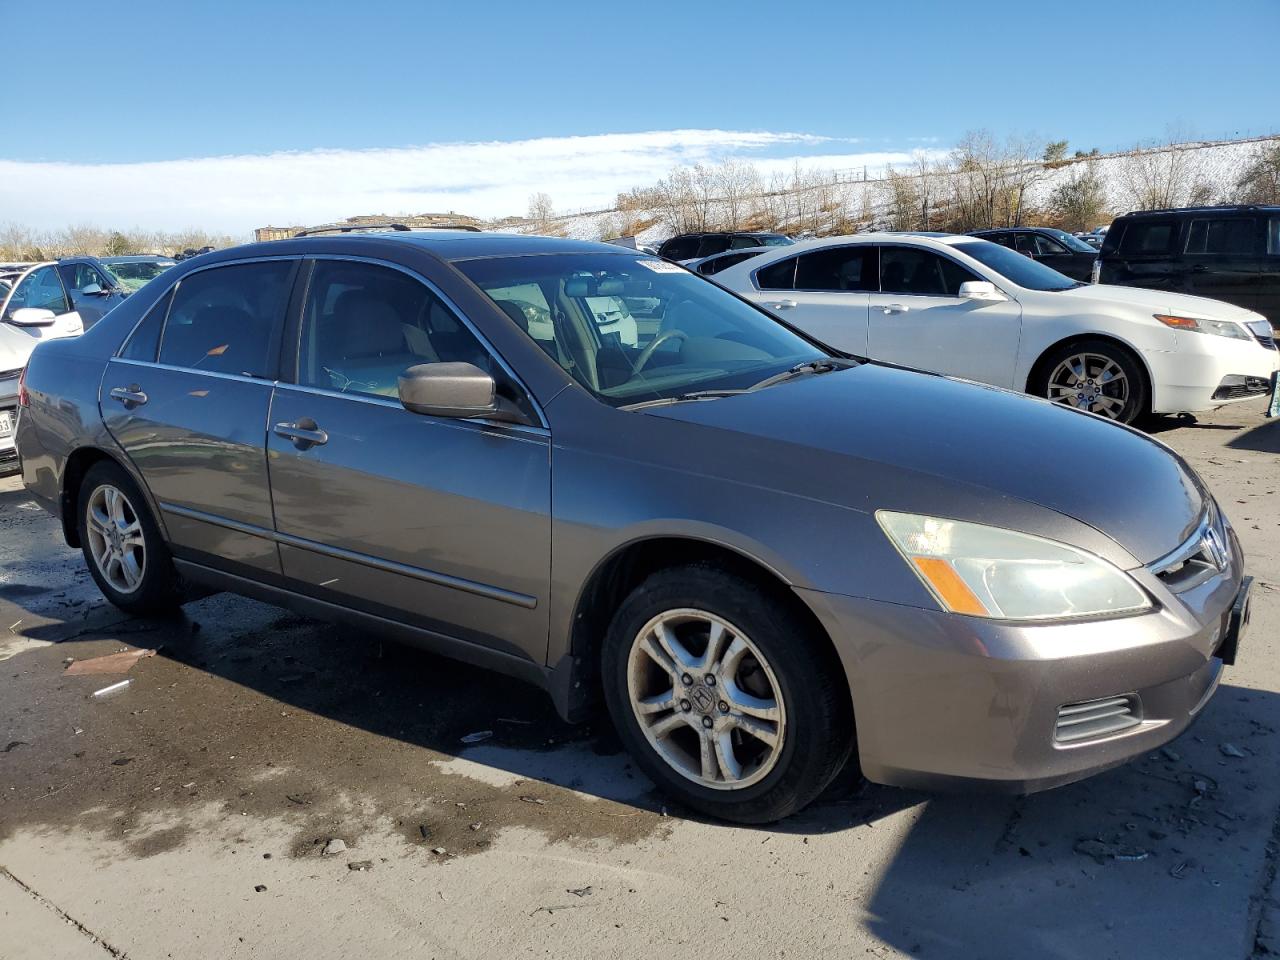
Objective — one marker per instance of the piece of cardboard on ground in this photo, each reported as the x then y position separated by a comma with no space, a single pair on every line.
121,662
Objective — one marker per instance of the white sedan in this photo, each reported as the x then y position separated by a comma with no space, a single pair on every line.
971,308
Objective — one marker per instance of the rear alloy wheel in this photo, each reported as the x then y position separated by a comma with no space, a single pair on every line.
1098,377
726,695
127,557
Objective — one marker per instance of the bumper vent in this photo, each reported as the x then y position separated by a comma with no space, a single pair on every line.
1092,719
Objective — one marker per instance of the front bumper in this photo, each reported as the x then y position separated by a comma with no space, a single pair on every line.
945,702
1203,370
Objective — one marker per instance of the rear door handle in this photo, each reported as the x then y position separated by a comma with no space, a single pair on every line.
783,305
304,434
896,308
131,396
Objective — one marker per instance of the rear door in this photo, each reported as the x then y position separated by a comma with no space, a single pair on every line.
441,523
1222,259
1145,254
825,293
920,320
188,398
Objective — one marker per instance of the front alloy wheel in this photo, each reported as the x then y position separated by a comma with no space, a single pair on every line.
1090,381
706,699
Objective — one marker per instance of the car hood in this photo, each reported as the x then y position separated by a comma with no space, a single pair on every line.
1161,301
964,435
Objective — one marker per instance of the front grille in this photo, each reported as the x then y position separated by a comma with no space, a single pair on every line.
1239,387
1093,719
1202,556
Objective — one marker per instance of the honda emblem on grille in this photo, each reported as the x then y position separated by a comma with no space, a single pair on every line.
1211,543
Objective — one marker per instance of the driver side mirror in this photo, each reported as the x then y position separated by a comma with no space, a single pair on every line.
459,390
980,290
92,290
31,317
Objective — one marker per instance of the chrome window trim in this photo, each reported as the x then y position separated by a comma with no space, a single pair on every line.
239,377
378,401
459,315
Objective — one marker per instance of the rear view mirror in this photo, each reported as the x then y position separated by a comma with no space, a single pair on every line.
32,317
459,390
980,290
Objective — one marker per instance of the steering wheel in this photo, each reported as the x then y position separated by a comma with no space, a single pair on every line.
647,353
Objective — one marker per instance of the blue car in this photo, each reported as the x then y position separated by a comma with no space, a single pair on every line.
96,284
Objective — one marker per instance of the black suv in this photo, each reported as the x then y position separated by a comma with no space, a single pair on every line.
1054,248
691,246
1227,253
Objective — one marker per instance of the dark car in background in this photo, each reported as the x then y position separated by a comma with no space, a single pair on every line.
96,284
709,266
1058,249
1229,253
695,246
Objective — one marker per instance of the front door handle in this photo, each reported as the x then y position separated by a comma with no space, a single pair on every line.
304,434
131,396
783,305
896,308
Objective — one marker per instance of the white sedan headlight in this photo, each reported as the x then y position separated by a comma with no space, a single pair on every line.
1221,328
983,571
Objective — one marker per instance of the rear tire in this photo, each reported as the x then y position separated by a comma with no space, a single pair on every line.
122,545
1095,375
750,719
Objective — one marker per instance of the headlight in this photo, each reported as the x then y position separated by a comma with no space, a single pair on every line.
983,571
1223,328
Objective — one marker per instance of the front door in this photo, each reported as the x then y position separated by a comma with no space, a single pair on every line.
188,399
444,524
919,319
1222,259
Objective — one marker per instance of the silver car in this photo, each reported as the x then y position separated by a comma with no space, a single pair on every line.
763,556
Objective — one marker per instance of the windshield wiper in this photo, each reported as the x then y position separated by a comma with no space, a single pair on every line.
683,397
824,365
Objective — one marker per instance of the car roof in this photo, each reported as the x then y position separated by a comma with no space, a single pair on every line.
1224,208
135,258
446,245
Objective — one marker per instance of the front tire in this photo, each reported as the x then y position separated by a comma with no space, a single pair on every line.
1095,375
121,542
725,697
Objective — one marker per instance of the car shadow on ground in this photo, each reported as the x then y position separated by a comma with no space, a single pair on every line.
1264,438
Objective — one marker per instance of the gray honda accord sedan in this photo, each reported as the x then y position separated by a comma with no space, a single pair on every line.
588,468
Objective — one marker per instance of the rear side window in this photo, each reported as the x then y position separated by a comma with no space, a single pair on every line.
227,319
725,262
711,245
1273,236
1148,237
778,276
837,269
1230,236
145,339
680,248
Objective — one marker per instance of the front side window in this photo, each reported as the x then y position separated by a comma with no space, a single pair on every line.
921,273
713,244
363,325
41,290
1072,243
1043,246
1020,270
1228,236
226,319
1148,237
82,275
691,335
838,269
680,248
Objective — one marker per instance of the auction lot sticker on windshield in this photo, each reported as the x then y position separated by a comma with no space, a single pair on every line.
661,266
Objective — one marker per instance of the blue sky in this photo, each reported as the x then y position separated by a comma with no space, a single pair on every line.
134,84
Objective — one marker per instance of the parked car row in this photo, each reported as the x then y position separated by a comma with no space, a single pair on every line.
43,301
592,469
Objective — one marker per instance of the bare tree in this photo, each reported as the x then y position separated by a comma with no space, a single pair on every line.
739,186
542,213
1260,181
1080,200
1163,175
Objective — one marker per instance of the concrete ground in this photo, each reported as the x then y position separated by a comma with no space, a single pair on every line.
188,815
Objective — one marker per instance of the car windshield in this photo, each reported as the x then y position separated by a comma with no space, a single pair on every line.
633,329
134,274
1016,267
1072,243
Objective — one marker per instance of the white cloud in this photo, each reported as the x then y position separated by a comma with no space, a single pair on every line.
237,193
